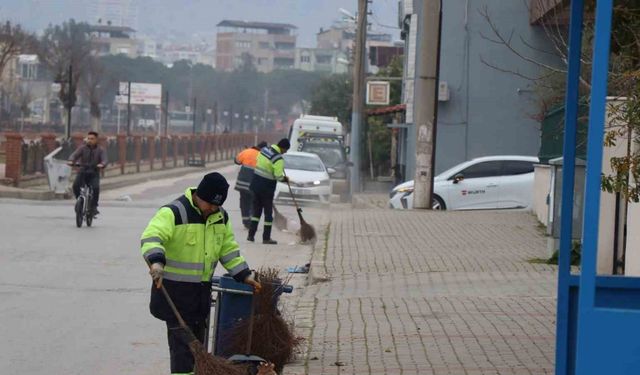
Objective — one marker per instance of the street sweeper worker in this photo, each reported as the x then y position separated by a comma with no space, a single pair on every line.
182,244
269,170
247,159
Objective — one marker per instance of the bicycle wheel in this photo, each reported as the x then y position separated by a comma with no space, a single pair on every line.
79,211
89,216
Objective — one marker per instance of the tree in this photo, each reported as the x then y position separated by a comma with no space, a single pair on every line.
332,97
624,80
93,87
64,46
13,42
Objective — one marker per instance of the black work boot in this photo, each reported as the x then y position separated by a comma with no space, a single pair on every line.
266,236
252,231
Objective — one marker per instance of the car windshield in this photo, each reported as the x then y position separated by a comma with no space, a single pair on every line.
330,154
303,163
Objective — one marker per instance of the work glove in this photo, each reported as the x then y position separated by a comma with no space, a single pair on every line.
157,271
250,280
266,369
285,179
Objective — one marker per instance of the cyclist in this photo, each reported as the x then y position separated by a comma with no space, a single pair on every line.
91,158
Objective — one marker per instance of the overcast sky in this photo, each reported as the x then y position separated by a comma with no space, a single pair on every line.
188,17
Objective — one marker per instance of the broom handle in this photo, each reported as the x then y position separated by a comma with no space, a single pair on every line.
295,203
250,340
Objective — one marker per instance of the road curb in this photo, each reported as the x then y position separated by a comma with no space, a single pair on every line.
318,270
36,195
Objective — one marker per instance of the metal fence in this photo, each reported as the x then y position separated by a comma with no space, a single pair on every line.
210,148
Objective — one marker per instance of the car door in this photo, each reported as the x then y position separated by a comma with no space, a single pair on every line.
478,189
516,184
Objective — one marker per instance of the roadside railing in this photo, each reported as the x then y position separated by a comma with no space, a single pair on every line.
133,154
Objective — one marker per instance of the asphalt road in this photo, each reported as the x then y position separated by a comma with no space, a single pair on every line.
75,301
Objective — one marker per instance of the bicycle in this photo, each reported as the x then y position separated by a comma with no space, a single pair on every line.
84,211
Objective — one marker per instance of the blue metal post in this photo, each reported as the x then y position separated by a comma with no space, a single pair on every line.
568,182
604,10
595,141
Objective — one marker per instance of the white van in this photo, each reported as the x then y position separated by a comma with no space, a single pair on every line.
314,125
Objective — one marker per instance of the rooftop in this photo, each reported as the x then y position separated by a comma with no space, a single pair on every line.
110,29
257,25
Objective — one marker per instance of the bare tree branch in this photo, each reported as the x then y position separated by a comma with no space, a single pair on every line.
507,43
13,42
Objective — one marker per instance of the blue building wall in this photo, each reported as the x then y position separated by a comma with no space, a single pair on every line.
489,112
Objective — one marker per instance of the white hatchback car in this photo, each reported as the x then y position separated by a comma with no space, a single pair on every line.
489,182
309,179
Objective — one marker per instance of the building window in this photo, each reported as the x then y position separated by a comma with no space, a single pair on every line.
262,61
323,59
243,44
265,45
305,59
285,46
28,71
283,62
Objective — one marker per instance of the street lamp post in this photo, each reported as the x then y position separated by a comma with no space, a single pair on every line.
69,103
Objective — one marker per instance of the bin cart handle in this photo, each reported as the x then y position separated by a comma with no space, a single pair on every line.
232,291
216,280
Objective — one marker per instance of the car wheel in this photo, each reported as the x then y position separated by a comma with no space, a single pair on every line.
438,204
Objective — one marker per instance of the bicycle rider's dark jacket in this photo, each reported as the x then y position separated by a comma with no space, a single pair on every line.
89,157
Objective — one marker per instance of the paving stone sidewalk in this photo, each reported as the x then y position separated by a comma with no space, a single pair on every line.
430,293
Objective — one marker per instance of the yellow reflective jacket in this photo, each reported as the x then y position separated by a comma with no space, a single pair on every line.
190,247
269,169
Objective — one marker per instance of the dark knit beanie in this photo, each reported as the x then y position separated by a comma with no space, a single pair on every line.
284,144
213,188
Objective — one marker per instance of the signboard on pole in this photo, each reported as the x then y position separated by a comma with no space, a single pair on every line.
141,93
378,93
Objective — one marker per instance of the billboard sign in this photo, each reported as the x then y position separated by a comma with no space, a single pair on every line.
141,93
378,93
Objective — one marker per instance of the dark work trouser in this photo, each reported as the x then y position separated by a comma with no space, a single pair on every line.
262,201
246,199
91,179
181,358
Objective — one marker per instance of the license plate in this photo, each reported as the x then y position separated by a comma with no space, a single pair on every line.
301,192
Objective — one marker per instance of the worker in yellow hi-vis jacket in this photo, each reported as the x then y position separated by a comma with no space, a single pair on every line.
183,243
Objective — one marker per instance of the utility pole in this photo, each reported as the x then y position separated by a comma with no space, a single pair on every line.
129,108
69,105
231,119
266,109
426,99
194,111
166,113
358,95
215,116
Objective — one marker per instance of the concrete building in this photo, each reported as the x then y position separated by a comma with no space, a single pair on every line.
114,40
148,47
271,45
26,82
332,61
482,111
114,12
341,37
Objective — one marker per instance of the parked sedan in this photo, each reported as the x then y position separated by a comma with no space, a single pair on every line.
309,179
489,182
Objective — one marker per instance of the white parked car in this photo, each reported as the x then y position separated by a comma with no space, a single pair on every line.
489,182
309,178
